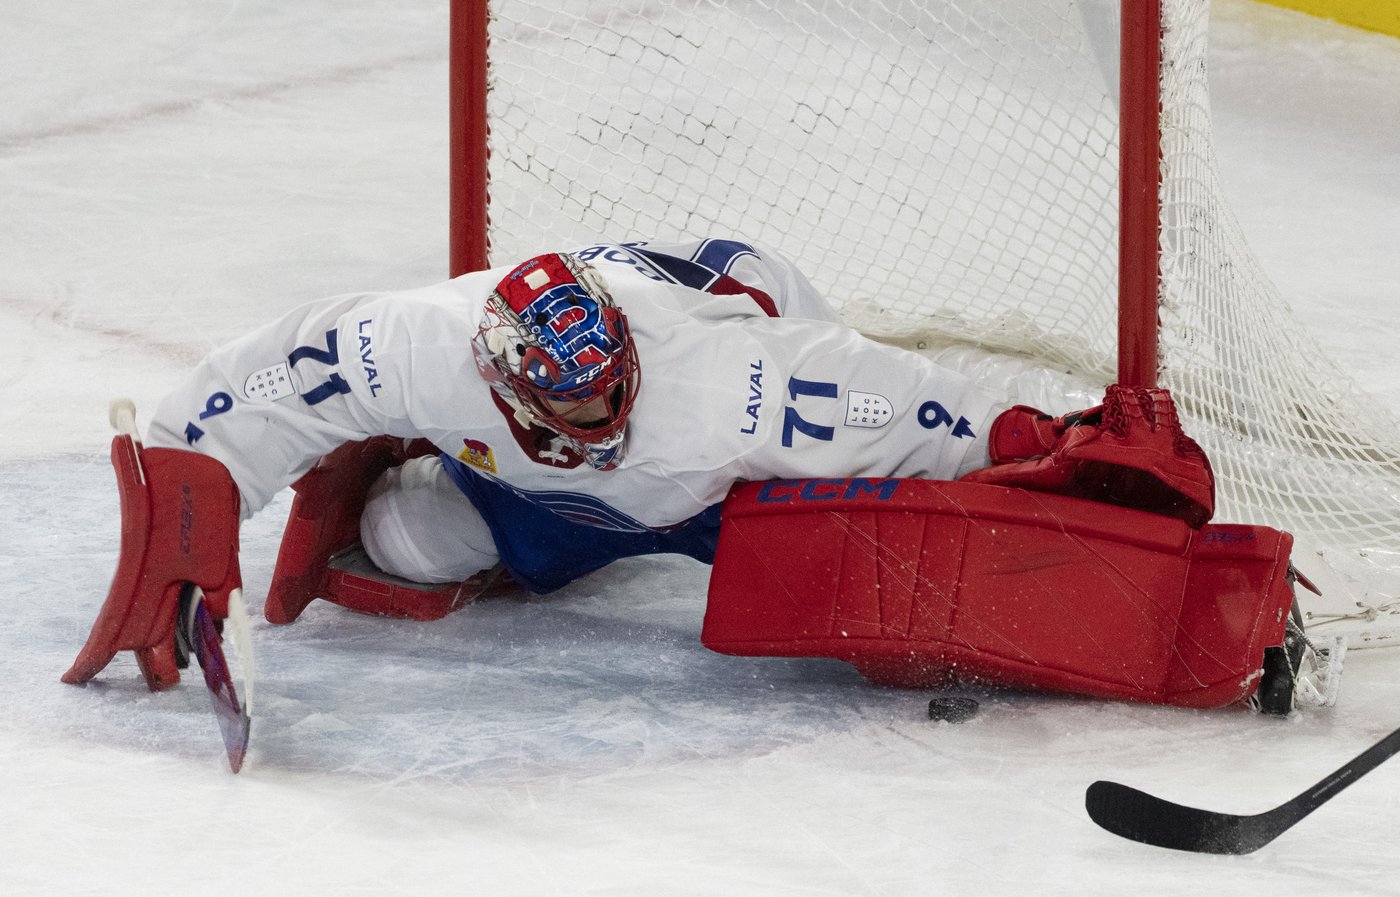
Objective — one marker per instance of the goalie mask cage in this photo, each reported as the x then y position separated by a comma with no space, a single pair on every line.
945,171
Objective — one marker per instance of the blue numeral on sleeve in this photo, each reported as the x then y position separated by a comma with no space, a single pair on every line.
793,421
798,387
335,386
328,355
218,403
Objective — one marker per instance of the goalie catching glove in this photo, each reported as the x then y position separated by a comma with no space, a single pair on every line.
1130,451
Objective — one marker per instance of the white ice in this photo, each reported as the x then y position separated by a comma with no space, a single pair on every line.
171,174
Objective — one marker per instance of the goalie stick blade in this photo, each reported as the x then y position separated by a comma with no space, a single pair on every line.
1138,816
206,644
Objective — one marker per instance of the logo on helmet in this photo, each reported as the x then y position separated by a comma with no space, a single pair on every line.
556,348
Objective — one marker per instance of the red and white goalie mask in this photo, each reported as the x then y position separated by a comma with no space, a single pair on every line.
556,348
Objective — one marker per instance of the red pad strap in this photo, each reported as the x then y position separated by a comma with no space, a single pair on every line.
179,525
358,586
912,580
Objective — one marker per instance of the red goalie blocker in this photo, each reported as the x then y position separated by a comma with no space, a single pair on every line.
179,525
921,583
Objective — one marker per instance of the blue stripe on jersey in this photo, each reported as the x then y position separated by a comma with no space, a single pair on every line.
711,261
584,509
720,255
679,270
547,546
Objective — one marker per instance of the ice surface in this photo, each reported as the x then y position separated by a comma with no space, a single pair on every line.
173,174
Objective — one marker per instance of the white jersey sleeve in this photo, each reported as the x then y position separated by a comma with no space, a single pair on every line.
269,404
837,404
759,398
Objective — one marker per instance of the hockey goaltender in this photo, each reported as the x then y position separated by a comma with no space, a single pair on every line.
521,427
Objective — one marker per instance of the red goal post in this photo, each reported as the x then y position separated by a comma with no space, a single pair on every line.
1139,166
469,133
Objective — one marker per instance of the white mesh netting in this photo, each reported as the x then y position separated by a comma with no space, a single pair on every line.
946,172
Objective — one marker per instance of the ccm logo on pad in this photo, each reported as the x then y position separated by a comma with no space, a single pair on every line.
826,490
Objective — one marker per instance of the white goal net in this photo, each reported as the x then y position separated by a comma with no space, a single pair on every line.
947,173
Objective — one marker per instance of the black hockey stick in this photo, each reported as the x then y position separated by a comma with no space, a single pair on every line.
1139,816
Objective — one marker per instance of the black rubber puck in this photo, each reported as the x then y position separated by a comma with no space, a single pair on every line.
952,710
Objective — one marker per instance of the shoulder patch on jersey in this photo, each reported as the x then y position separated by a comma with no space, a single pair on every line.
270,383
477,454
867,409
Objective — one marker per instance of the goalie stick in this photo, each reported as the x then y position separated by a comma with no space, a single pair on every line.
198,633
1139,816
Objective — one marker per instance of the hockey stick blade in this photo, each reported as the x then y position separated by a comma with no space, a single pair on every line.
206,644
1138,816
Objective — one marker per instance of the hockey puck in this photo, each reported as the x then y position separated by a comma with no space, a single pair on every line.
952,709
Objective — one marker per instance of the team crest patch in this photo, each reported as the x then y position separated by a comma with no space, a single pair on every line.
867,409
477,454
269,383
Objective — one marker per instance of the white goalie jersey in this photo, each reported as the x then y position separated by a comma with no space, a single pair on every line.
737,384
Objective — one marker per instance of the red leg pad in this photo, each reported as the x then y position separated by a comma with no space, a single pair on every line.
325,519
179,525
920,583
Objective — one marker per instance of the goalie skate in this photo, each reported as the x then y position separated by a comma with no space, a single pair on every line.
1302,672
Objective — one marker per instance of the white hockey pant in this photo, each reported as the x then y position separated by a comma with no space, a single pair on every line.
419,526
